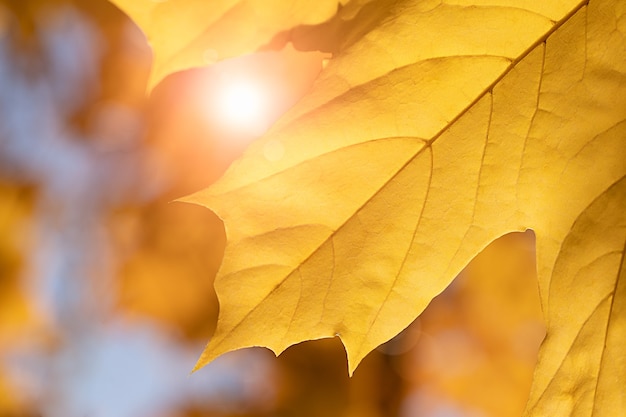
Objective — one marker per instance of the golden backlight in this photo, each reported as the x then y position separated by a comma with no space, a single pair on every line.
207,117
243,106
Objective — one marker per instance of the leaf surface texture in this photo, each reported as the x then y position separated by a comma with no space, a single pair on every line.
437,127
440,129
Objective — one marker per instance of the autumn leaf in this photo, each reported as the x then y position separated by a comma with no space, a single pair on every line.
582,365
169,261
17,312
193,33
436,128
441,129
20,319
466,355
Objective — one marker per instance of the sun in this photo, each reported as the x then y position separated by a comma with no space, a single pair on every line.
242,105
241,98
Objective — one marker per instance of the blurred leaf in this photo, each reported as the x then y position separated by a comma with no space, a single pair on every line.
176,250
478,340
16,312
193,33
441,129
312,381
19,320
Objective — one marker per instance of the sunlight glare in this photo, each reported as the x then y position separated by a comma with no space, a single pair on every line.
242,106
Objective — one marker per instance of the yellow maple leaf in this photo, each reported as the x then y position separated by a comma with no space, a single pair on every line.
434,130
394,176
193,33
582,363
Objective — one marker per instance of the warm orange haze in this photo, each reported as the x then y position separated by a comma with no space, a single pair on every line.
399,208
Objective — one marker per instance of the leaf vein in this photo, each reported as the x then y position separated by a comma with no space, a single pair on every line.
295,311
406,253
569,350
314,157
331,236
608,325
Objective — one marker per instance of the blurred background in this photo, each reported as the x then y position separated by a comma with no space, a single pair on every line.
106,285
